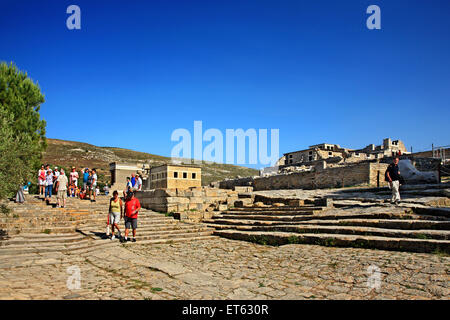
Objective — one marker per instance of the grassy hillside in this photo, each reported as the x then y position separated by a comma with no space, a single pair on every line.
70,153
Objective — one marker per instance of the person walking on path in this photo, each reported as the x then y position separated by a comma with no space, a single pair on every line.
61,189
393,177
41,180
115,213
132,206
48,185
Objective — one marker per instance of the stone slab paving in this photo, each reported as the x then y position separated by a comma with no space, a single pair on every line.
228,269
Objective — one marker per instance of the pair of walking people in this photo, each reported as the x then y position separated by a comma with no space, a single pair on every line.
116,213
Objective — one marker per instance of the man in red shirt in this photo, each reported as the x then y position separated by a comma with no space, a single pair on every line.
132,206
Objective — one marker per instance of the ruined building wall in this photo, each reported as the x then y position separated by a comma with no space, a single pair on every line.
366,173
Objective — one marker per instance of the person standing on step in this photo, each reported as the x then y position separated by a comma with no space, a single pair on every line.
128,188
132,206
93,188
61,189
138,185
85,178
74,177
48,185
115,213
55,176
393,177
41,180
89,184
133,180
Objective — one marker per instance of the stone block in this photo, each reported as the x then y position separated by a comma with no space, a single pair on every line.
180,215
195,200
242,189
210,193
324,202
182,206
296,203
243,195
178,200
243,202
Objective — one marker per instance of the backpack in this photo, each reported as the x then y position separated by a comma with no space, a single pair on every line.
386,178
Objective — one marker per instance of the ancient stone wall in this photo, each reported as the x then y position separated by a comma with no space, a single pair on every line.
231,183
181,200
366,173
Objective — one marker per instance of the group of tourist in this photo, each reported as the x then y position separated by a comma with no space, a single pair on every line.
55,181
134,183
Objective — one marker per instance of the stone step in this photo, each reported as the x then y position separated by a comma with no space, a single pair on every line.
432,211
50,243
284,208
43,229
37,240
193,237
173,234
318,217
73,220
54,247
379,223
272,213
338,240
149,231
352,230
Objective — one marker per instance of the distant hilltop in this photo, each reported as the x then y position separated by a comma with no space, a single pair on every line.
81,155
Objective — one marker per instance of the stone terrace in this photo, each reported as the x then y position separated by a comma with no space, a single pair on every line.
346,218
175,260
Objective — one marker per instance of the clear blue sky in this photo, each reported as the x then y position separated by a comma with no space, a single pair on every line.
137,70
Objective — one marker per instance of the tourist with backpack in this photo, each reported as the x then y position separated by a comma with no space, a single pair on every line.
61,189
392,175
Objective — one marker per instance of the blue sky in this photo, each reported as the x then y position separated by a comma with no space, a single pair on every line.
137,70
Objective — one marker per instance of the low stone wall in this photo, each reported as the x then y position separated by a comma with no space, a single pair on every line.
231,183
183,200
364,173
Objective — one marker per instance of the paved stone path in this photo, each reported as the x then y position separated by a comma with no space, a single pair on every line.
228,269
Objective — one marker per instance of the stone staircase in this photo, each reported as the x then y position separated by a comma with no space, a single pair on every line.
34,229
383,227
